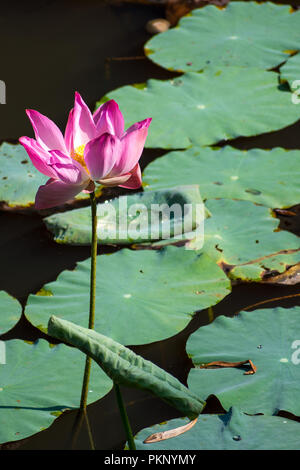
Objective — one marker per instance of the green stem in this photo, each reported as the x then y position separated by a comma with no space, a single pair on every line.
211,315
124,418
93,261
88,361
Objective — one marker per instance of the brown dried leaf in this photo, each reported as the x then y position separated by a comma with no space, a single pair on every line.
162,436
213,364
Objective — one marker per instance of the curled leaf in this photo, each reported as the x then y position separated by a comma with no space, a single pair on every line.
162,436
125,367
252,370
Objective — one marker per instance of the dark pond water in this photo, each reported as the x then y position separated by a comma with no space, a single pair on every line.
51,49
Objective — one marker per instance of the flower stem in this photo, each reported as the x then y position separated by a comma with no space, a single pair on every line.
93,261
88,361
124,418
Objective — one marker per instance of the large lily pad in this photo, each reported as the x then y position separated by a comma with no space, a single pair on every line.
19,179
141,296
244,238
10,312
38,382
290,71
125,367
231,431
268,177
246,34
132,219
270,339
205,108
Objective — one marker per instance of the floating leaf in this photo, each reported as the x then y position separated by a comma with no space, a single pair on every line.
290,71
270,338
131,219
38,382
141,296
10,312
19,178
248,248
244,238
204,108
245,34
231,431
268,177
125,367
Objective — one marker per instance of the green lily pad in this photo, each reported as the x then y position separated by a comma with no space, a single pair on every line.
141,296
244,238
246,34
290,71
248,248
19,179
205,108
125,367
268,269
10,312
39,382
270,339
268,177
132,219
231,431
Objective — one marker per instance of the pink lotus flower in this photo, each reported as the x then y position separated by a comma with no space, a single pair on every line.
95,148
